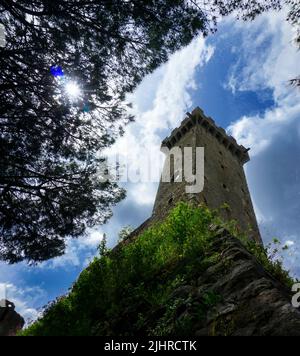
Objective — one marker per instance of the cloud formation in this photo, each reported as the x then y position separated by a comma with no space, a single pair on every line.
269,60
159,104
23,298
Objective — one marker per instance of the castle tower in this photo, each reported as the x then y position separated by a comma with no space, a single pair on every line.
224,182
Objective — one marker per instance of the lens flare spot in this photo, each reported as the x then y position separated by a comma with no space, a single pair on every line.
73,90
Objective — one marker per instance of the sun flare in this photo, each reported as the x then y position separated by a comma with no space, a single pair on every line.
73,90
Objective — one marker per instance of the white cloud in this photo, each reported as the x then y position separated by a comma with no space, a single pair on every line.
270,68
159,105
269,60
169,90
76,248
92,239
270,55
70,258
143,194
258,132
172,96
168,98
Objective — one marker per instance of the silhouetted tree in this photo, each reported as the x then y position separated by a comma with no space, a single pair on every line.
124,233
49,141
102,248
294,19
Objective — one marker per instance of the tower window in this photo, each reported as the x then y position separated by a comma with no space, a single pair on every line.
170,200
225,186
223,167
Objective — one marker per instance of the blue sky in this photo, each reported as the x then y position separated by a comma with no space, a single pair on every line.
239,77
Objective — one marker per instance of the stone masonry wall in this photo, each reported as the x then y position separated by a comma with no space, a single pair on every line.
225,180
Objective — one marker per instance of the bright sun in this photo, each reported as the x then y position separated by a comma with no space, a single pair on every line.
73,90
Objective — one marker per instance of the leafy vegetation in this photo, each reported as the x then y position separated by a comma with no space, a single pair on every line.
125,232
51,143
114,295
268,257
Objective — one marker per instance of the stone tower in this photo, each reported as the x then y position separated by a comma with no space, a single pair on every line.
224,182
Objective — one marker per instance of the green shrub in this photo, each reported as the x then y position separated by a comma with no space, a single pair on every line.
267,257
115,293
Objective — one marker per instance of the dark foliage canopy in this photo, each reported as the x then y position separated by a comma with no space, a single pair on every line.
294,19
50,145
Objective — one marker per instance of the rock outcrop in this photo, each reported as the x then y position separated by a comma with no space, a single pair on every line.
235,296
10,321
186,277
251,301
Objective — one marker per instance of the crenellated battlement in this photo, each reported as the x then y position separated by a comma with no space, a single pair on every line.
197,117
225,183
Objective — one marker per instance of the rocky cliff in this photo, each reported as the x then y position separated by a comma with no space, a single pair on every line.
251,301
190,275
